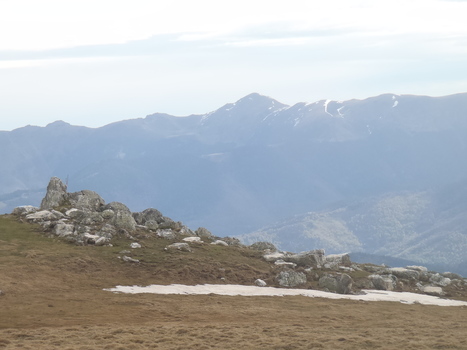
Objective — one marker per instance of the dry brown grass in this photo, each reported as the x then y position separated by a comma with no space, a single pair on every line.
54,300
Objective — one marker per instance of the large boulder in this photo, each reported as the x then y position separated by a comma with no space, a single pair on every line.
56,194
383,282
24,210
123,218
291,278
86,200
147,215
341,283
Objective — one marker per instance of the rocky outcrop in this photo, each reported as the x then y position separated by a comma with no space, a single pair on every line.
56,194
83,217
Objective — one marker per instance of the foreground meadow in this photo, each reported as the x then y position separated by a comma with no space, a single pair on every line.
53,298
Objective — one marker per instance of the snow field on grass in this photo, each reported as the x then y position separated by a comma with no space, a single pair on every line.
233,290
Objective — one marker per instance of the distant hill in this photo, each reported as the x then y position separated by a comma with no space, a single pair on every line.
399,159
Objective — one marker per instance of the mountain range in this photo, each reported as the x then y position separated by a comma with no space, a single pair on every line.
386,175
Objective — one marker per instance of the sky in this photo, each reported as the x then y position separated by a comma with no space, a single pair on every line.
94,62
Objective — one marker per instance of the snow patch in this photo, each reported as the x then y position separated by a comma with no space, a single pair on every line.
326,107
232,289
395,103
339,111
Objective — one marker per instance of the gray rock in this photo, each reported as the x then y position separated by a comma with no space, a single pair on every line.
146,215
404,273
281,262
341,283
274,256
62,229
334,261
152,225
24,210
311,258
417,268
219,242
193,239
440,280
260,283
432,290
203,232
452,275
108,214
128,259
42,216
184,247
262,246
385,282
123,218
56,194
291,278
167,234
135,245
86,200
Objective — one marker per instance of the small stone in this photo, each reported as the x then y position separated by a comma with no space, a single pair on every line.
128,259
135,245
260,283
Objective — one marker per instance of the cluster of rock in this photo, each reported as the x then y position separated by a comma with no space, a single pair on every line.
332,272
84,218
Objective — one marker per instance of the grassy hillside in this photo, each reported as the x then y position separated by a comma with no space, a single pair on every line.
53,298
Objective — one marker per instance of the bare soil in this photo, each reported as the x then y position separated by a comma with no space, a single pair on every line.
53,298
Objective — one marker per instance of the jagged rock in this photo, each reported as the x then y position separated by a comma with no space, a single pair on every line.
193,239
386,282
86,200
203,232
179,246
404,273
146,215
128,259
219,242
260,283
311,258
24,210
262,246
135,245
123,218
341,283
56,194
63,230
167,234
432,290
291,278
185,231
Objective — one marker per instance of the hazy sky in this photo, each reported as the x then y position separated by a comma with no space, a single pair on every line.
92,62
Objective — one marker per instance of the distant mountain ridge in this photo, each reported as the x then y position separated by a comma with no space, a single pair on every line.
257,161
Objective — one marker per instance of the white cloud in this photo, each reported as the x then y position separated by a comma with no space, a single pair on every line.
50,24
